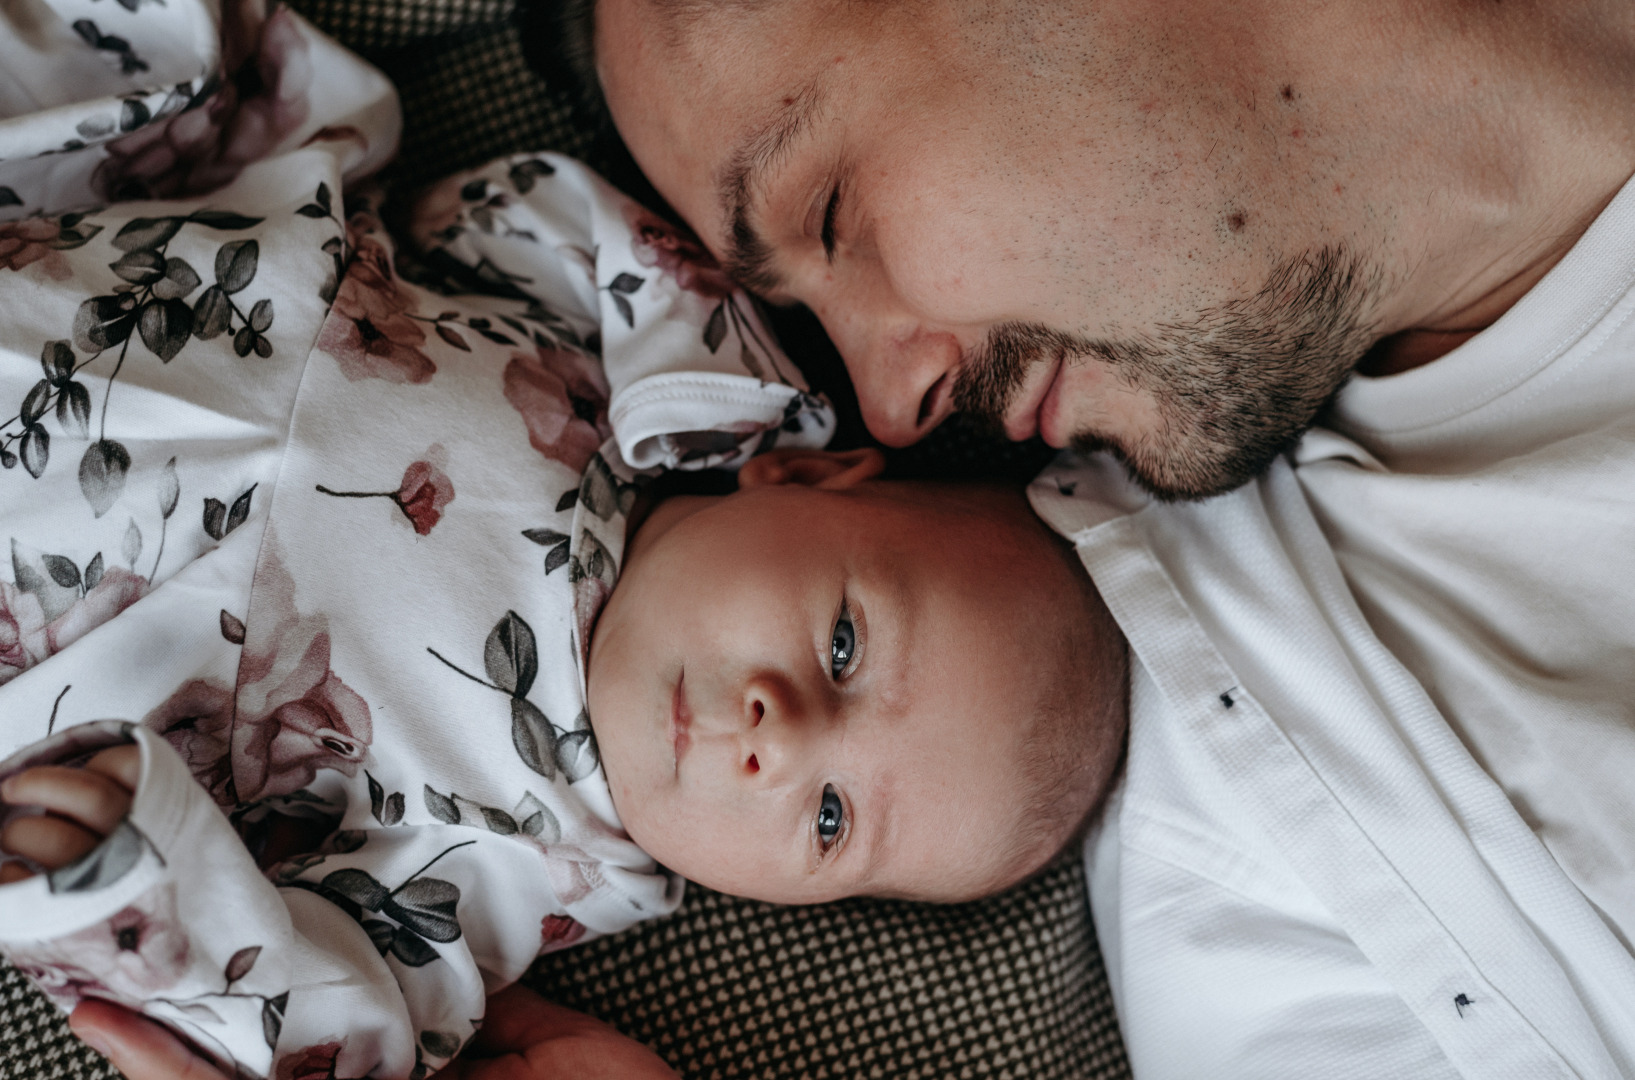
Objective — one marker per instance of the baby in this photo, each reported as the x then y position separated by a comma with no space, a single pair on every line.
829,685
820,684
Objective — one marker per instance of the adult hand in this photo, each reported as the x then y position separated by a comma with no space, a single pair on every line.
523,1037
138,1047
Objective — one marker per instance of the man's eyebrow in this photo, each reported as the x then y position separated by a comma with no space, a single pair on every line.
748,257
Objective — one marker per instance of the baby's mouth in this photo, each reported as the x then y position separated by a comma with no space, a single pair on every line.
680,720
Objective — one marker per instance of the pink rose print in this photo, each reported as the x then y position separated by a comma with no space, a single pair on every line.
140,950
115,591
313,1063
559,931
292,717
659,244
23,641
29,241
424,492
371,329
562,396
574,873
197,721
703,292
255,108
133,955
26,638
295,715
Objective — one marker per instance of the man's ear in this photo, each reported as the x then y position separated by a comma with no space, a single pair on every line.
828,469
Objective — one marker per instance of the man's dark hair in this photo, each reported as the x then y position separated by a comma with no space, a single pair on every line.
559,42
574,29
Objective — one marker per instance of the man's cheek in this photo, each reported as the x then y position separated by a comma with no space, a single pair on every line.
953,267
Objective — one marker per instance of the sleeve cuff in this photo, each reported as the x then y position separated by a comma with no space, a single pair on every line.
709,420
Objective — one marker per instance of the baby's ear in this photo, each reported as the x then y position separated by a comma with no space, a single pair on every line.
828,469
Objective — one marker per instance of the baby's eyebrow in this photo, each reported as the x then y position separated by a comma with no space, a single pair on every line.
746,255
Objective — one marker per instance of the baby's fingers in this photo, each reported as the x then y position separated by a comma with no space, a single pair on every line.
122,764
93,797
82,806
49,841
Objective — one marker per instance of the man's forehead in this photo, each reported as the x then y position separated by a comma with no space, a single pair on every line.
724,73
705,49
683,98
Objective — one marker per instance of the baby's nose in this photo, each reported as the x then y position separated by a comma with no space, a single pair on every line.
774,727
768,696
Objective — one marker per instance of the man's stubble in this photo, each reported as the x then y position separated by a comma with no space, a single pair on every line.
1234,386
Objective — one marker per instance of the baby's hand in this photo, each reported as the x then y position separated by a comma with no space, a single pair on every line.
82,805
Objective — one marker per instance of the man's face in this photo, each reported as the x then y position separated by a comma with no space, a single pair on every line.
802,695
1078,221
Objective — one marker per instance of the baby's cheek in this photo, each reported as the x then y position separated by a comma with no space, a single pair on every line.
627,802
653,826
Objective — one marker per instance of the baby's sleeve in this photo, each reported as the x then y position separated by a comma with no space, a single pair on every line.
695,377
373,957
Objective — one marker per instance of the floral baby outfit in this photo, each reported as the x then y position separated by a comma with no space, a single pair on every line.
328,542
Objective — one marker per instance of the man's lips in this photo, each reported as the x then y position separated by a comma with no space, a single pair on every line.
680,719
1050,423
1029,416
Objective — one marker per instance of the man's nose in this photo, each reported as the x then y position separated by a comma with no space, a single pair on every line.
904,380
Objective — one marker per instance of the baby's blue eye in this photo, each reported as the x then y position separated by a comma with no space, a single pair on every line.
830,815
843,646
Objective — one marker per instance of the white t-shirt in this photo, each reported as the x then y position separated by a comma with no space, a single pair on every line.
1483,513
1307,868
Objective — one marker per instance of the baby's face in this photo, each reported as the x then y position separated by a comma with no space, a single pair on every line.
802,694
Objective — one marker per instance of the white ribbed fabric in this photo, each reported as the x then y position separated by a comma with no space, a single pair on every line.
1482,509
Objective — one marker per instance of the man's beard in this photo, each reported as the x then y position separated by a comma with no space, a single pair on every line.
1234,386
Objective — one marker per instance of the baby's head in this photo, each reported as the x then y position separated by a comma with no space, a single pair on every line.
826,685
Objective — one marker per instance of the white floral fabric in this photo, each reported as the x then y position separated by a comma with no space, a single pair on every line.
327,542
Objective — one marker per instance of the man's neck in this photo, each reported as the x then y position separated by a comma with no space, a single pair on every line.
1511,128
